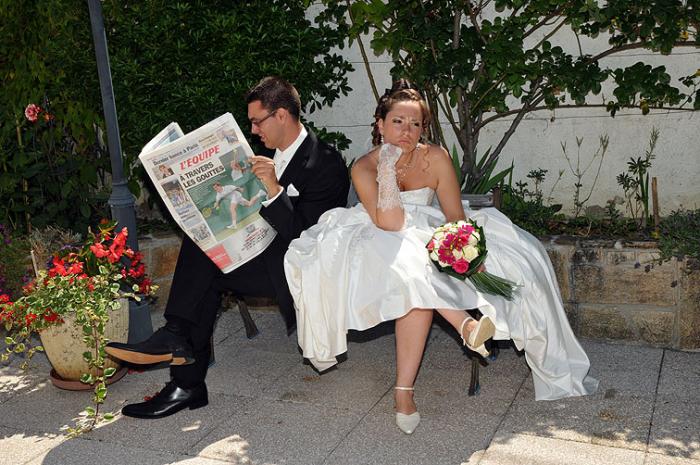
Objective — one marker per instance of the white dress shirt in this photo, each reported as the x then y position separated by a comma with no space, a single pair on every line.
282,159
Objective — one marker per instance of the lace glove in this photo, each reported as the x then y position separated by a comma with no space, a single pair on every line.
389,195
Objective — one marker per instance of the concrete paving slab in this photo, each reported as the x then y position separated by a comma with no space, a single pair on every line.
509,449
377,440
656,459
443,393
619,422
680,376
15,381
272,338
177,434
86,452
277,432
676,428
19,447
345,387
624,369
45,408
248,371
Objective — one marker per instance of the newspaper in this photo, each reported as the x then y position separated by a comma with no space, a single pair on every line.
205,180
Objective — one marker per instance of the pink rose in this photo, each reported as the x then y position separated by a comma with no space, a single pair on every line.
461,266
32,112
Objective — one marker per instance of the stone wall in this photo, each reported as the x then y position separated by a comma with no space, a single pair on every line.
616,290
611,290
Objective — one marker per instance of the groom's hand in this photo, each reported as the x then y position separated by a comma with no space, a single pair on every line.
264,169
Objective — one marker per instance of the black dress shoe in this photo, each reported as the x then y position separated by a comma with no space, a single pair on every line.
165,345
170,400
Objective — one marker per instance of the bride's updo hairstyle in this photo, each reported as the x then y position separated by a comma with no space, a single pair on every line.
401,91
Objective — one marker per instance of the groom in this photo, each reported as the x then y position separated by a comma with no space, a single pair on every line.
305,178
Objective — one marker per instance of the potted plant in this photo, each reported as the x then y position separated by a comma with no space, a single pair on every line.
81,294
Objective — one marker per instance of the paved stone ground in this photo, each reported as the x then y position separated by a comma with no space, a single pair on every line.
266,407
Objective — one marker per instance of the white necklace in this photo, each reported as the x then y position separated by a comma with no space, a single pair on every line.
401,172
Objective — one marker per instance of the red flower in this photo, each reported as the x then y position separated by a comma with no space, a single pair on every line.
32,112
76,268
58,267
137,272
116,250
99,250
28,288
4,298
30,317
145,286
50,316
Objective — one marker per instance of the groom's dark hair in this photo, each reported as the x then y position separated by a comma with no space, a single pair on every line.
273,92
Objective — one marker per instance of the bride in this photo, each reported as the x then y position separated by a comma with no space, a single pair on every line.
361,266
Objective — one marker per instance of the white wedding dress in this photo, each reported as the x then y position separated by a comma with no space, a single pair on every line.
346,273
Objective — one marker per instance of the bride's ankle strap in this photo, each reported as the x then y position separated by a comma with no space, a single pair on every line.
466,320
404,388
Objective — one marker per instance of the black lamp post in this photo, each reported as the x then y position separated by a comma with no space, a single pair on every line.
121,201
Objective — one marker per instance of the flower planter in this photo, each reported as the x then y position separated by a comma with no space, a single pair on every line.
64,348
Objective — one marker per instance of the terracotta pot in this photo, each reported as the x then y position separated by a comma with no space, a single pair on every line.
64,344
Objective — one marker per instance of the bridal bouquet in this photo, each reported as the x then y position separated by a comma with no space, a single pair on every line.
459,249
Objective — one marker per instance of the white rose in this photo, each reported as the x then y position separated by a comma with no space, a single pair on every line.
474,238
434,255
470,253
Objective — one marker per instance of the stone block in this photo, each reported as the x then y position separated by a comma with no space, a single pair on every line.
615,257
571,309
162,293
560,255
625,282
584,255
689,308
654,327
608,322
164,258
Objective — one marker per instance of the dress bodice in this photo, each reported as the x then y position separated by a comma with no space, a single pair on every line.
422,196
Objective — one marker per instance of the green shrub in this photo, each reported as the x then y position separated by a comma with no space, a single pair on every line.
15,267
679,235
171,61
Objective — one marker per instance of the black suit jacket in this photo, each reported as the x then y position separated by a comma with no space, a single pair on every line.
319,174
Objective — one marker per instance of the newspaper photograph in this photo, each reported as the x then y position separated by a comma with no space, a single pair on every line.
205,179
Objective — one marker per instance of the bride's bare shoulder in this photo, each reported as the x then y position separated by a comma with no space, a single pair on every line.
437,153
366,162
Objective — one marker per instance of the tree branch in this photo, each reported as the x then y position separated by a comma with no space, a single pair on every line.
490,119
634,46
368,69
542,22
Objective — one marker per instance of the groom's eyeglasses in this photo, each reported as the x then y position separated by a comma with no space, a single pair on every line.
258,122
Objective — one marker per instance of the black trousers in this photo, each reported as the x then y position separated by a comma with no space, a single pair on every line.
195,297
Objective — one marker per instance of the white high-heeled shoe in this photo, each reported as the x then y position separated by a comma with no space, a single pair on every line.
484,330
407,423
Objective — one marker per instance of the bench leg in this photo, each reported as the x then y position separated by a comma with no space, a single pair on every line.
474,386
251,330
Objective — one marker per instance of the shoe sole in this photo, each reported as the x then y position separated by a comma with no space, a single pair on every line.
486,331
140,358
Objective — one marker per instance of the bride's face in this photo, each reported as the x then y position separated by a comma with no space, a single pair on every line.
403,125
